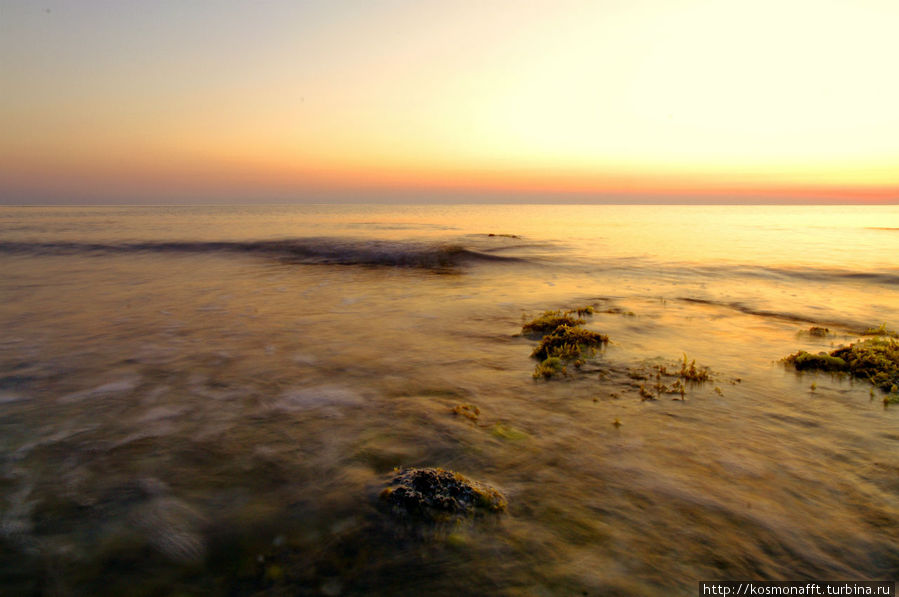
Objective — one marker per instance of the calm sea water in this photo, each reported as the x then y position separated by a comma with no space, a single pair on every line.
208,400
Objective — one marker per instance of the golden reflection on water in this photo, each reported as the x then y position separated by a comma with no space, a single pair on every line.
168,419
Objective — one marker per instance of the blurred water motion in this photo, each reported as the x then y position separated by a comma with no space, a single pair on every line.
209,400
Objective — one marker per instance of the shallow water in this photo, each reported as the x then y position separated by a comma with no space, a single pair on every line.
209,400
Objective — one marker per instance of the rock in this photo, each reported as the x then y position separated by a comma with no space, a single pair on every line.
436,495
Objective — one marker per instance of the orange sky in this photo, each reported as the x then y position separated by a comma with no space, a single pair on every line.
564,100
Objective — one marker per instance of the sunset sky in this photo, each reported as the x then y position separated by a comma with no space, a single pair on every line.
603,100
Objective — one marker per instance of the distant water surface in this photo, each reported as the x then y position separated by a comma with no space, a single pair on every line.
208,400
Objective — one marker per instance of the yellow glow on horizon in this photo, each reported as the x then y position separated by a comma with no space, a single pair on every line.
649,96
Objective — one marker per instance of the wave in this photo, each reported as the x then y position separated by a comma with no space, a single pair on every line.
742,308
854,325
803,274
501,249
328,251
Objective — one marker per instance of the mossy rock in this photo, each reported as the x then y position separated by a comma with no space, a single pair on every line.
875,359
436,495
569,342
549,321
821,362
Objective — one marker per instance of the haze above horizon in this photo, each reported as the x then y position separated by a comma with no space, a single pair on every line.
605,100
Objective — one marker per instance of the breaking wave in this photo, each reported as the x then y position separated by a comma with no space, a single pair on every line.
327,251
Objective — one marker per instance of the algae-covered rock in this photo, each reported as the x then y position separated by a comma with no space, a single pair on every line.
822,361
550,320
875,359
562,339
433,494
569,342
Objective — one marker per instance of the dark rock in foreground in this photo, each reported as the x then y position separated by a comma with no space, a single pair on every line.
433,494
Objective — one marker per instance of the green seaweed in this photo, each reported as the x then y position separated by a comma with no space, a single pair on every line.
569,342
562,340
874,359
692,373
880,330
667,380
822,361
469,411
818,331
549,321
549,367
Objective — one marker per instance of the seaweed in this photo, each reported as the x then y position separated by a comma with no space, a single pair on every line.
562,340
569,342
549,367
549,321
693,374
875,359
880,330
821,362
469,411
689,373
818,331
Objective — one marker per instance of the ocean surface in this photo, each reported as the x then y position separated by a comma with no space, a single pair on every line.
209,400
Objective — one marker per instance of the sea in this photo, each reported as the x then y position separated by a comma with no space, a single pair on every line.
210,400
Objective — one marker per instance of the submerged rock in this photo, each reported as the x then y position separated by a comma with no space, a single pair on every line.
434,494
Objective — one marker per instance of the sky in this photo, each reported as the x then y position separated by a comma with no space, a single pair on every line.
125,101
